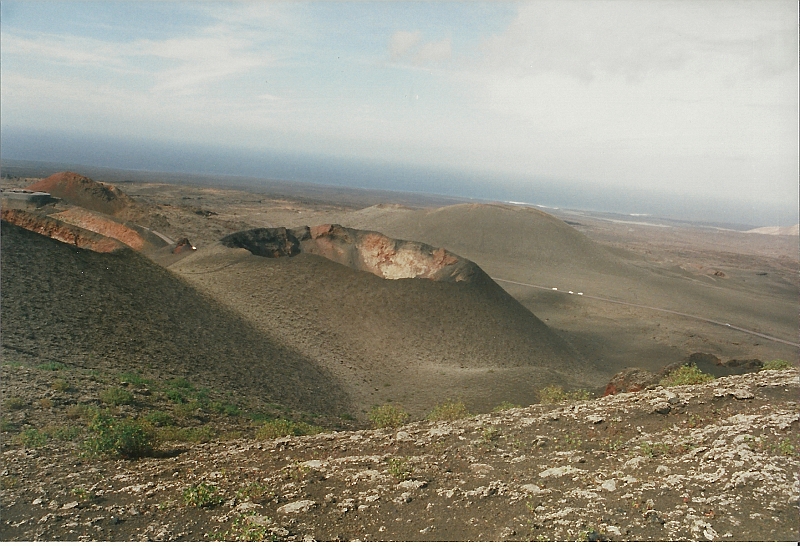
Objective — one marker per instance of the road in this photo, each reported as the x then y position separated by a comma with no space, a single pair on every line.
618,302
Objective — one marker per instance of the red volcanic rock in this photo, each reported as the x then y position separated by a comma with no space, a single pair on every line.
630,380
82,191
61,231
97,223
183,246
361,250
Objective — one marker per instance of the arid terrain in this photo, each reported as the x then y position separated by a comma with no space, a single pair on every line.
211,313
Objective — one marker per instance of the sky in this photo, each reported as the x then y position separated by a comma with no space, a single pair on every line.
692,98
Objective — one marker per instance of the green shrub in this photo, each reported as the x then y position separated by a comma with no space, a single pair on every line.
180,383
8,426
133,378
777,365
246,528
688,374
555,394
283,427
254,491
52,366
505,406
388,416
114,438
65,433
448,411
14,403
159,418
194,435
116,396
32,438
400,469
60,385
81,411
202,496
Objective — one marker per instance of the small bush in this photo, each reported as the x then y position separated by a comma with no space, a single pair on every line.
555,394
400,469
82,494
8,426
159,418
14,403
133,378
388,416
503,406
202,496
180,383
116,396
115,438
32,438
44,403
60,385
193,435
80,411
247,528
283,427
448,411
688,374
65,433
254,491
52,366
777,365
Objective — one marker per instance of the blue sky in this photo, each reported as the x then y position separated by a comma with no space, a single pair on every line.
698,98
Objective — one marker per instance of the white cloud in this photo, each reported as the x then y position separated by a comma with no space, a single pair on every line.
401,42
406,44
434,52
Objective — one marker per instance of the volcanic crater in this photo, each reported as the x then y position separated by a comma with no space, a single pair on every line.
360,250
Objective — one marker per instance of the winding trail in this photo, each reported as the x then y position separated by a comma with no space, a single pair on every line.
618,302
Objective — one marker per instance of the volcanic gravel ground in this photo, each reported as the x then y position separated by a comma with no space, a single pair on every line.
705,462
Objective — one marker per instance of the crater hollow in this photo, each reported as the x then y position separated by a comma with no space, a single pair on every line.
368,251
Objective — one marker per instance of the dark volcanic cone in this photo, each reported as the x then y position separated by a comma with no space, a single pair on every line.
120,311
366,307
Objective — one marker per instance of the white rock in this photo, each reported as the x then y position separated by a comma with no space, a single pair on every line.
411,484
741,394
559,471
662,469
296,507
403,436
533,489
594,419
480,468
635,462
609,485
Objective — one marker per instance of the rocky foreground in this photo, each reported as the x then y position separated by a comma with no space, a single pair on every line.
717,461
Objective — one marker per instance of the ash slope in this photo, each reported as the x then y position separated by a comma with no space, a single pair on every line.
413,341
529,246
121,311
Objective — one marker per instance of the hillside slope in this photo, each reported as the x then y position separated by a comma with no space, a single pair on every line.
413,341
121,311
716,461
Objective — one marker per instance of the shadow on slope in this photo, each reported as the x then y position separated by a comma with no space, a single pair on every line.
121,311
